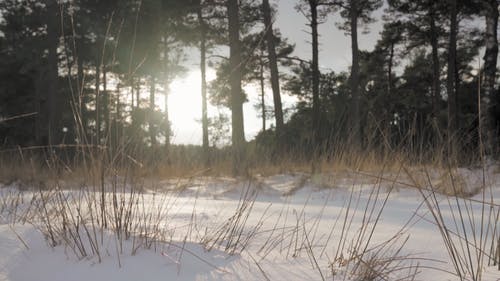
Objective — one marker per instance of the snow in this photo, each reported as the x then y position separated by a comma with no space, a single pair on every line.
282,227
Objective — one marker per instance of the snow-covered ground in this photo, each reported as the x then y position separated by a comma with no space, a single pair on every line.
345,226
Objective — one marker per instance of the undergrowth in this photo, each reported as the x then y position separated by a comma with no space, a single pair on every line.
117,205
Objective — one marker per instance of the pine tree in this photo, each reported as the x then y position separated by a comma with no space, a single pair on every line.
423,20
203,70
273,65
211,24
451,72
235,62
31,69
381,79
258,67
22,61
52,98
315,12
355,12
490,98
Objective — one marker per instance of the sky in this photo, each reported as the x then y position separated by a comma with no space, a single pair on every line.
335,54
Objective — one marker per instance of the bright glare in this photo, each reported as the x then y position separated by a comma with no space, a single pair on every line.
184,105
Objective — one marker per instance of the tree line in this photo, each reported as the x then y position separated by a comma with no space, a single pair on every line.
89,72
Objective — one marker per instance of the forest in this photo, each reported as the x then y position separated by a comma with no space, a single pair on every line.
81,76
353,140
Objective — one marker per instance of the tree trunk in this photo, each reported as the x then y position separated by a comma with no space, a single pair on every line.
436,87
132,103
387,112
262,92
273,66
81,125
116,131
98,102
389,70
154,56
167,119
138,94
40,120
203,70
79,76
152,125
355,98
53,112
490,102
105,105
166,88
451,78
313,4
238,133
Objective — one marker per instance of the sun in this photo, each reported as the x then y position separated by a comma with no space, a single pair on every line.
184,107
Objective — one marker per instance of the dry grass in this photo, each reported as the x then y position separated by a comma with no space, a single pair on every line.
109,202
